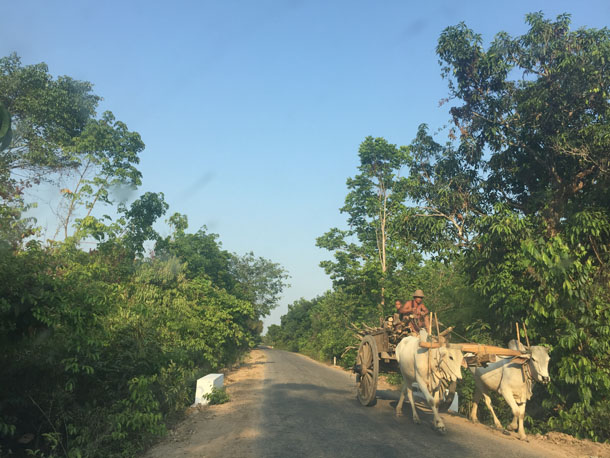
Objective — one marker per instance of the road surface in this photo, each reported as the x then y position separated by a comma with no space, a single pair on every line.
287,405
311,410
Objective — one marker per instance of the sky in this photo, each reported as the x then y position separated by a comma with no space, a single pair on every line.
252,111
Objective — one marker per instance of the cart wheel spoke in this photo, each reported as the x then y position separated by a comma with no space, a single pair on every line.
365,383
367,357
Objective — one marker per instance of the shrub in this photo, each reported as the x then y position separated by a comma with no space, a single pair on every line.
217,396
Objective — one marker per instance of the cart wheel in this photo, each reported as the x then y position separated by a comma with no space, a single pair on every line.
444,405
368,362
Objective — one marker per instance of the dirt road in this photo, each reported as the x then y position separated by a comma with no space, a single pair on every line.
286,405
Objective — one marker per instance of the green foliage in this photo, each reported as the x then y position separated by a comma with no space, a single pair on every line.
56,134
13,228
47,114
367,253
295,328
6,133
102,157
394,378
536,104
217,396
115,359
250,278
257,280
447,187
201,251
141,216
101,348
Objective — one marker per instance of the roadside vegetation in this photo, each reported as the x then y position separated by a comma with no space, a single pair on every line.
104,327
502,216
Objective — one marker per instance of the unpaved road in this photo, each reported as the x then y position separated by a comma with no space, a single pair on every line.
286,405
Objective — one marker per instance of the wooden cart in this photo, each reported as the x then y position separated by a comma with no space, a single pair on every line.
378,350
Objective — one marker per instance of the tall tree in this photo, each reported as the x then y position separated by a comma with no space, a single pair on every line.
539,103
102,157
56,133
447,189
201,251
47,115
140,217
375,200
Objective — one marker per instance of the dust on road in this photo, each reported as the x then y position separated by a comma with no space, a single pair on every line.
287,405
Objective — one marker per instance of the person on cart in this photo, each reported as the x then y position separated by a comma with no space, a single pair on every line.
417,314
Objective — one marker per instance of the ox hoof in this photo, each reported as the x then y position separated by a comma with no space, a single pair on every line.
524,438
417,421
440,429
474,420
398,414
506,432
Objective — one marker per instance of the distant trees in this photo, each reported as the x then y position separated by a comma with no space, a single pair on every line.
254,279
258,281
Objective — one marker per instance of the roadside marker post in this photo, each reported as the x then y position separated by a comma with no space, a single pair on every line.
205,385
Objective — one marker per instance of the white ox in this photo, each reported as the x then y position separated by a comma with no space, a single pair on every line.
433,369
512,378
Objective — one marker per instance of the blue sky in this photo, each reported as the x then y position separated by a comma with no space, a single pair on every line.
252,112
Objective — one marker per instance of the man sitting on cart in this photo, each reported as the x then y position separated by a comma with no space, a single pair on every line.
417,314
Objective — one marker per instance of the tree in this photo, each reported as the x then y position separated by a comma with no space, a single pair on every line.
6,133
256,280
533,110
447,188
375,200
141,216
56,135
47,115
201,251
259,281
100,347
273,335
539,104
102,157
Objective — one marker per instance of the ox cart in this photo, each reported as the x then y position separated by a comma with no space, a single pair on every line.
377,351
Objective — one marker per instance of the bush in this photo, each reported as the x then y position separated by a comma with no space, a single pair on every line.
217,396
98,357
